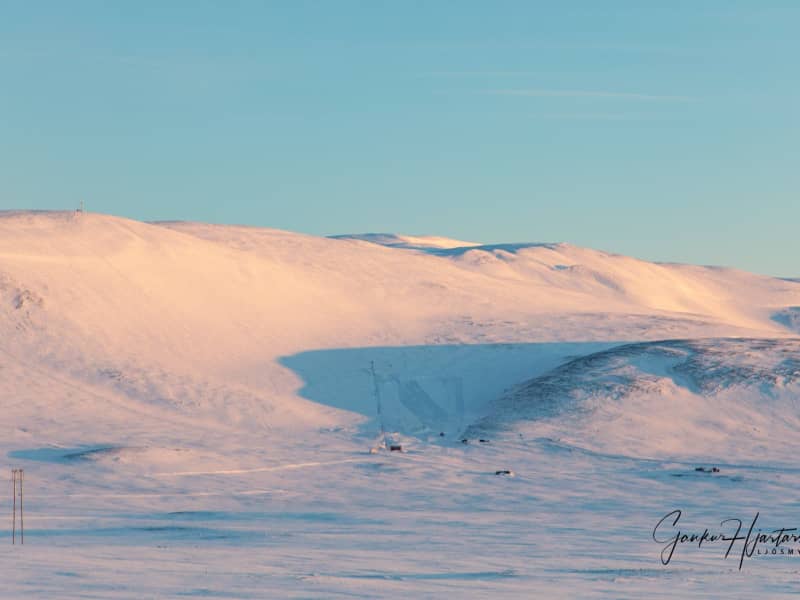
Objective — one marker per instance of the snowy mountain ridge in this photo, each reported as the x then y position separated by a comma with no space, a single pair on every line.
205,319
196,403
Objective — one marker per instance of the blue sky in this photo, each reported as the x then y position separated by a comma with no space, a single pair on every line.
664,130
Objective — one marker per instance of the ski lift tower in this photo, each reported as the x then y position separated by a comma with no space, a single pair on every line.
378,407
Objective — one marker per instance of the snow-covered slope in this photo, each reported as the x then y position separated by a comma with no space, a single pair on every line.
730,399
206,318
193,404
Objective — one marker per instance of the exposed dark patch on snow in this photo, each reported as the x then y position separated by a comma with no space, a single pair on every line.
25,298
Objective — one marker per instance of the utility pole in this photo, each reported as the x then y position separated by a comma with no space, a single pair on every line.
377,392
17,477
14,506
21,516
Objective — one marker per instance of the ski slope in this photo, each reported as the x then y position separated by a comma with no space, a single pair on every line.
193,405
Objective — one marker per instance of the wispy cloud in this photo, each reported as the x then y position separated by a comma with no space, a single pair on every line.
545,93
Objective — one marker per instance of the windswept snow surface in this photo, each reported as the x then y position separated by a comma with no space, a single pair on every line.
193,406
720,399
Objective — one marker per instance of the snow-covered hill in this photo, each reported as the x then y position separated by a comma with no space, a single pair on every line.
186,314
183,372
731,399
204,319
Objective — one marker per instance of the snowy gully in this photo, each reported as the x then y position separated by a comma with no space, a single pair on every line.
756,542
